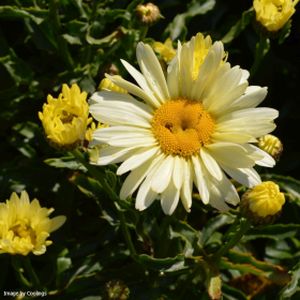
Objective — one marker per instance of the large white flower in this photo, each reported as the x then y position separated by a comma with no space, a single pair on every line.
193,126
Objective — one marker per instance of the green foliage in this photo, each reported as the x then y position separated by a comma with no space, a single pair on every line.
108,249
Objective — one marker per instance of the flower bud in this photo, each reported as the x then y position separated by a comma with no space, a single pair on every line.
263,203
107,85
148,13
274,14
272,145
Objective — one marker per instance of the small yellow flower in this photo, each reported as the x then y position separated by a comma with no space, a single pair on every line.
25,226
165,50
271,144
107,85
92,128
263,201
274,14
65,119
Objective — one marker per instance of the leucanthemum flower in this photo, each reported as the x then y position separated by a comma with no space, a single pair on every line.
195,126
25,226
65,119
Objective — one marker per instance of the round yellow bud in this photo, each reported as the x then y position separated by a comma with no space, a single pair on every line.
274,14
263,202
271,144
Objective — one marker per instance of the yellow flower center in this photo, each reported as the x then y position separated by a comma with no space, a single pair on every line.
23,230
182,127
67,117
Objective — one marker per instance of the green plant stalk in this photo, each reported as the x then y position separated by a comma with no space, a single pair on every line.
244,226
112,194
31,272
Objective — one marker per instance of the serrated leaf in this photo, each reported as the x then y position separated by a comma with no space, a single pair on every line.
274,232
161,264
239,26
292,287
65,162
13,12
177,27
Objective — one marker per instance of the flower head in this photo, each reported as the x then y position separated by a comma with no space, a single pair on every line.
25,226
274,14
193,126
262,202
65,119
165,50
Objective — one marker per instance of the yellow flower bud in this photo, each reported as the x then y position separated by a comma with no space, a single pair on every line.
107,85
262,203
25,226
271,144
65,119
274,14
165,50
148,13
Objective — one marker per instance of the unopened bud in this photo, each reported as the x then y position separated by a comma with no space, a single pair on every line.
148,13
263,203
271,144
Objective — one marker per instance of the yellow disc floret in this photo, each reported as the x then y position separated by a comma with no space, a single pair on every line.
25,226
65,119
265,199
274,14
182,127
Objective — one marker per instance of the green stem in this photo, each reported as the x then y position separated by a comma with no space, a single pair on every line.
262,48
243,228
31,272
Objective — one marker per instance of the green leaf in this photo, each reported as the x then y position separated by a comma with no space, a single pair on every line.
274,232
293,286
177,28
168,264
285,32
65,162
238,27
12,12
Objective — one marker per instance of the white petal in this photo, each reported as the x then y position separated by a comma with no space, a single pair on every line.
234,137
253,96
145,95
169,198
261,157
136,160
145,196
162,175
187,186
246,176
136,141
173,74
230,154
110,155
135,178
178,172
210,164
200,180
152,71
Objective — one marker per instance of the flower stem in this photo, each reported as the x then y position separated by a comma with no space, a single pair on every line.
236,237
31,272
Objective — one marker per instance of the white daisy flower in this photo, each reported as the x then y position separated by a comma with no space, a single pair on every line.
193,127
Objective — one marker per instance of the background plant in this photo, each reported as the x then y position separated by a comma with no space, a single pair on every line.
107,247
